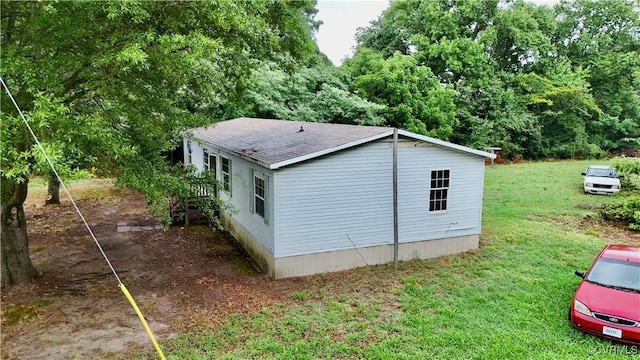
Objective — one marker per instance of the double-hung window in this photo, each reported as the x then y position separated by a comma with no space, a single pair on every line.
439,190
226,173
205,160
259,195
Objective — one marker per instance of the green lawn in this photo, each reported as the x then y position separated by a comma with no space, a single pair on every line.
507,300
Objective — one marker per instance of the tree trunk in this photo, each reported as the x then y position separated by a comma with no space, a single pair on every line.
53,191
15,264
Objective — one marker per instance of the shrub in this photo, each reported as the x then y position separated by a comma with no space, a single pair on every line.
630,168
627,184
593,151
627,211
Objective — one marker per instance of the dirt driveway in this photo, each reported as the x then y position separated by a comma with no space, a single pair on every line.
182,279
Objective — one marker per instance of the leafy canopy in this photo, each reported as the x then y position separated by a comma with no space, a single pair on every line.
112,84
537,81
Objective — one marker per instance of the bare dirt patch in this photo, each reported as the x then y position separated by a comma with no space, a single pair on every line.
76,308
183,279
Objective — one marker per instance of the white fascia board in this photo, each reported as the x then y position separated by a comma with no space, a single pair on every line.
446,144
190,136
330,150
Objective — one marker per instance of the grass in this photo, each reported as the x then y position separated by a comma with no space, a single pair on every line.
88,189
509,299
16,313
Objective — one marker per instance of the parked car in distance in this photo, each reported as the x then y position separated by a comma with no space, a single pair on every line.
601,179
607,301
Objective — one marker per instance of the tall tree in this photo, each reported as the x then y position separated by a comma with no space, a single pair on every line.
415,100
603,37
519,37
497,115
310,94
443,35
520,72
564,107
131,75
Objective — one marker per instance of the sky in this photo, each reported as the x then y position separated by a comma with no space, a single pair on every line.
341,18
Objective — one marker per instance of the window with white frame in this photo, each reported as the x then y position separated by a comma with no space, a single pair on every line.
439,190
205,160
226,173
189,152
259,195
213,167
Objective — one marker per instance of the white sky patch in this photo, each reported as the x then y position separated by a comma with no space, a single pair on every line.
336,36
341,18
544,2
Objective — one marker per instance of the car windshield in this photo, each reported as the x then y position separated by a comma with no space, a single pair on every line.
615,273
599,172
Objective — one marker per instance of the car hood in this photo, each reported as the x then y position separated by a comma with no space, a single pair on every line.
602,180
600,299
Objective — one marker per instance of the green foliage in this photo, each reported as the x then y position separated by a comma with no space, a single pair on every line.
626,211
440,35
497,116
627,165
415,100
537,81
16,313
518,39
300,295
630,169
310,94
111,85
601,36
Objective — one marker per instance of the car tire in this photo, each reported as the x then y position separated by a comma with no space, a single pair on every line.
569,314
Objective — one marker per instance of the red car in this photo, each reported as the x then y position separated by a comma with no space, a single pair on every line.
607,302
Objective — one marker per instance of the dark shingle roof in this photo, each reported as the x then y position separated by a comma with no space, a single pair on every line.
278,143
275,141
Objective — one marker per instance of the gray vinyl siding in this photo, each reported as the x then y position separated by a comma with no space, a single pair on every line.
345,200
196,153
242,199
241,191
464,205
339,201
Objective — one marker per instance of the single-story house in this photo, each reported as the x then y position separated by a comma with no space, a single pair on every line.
312,198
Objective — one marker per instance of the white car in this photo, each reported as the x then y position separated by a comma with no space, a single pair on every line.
601,179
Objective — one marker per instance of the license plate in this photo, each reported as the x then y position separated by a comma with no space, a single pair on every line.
617,333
